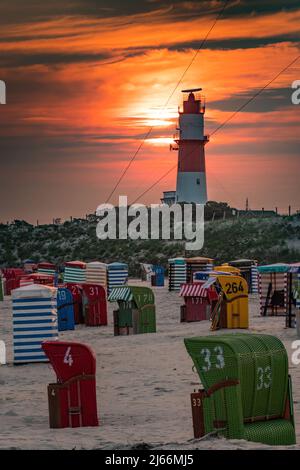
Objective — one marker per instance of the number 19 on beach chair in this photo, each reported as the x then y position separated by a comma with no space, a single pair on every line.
247,392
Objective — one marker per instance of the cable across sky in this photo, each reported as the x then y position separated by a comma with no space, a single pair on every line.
146,136
239,109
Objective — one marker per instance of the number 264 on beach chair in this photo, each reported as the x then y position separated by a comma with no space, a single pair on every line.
246,391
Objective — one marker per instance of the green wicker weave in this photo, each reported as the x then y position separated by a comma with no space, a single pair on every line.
254,406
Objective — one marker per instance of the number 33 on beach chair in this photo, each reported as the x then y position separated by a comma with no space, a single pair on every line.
246,391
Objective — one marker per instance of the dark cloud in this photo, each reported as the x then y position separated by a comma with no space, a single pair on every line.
52,59
269,100
55,59
37,157
11,59
13,11
258,149
245,8
219,44
236,124
18,11
239,43
34,149
37,37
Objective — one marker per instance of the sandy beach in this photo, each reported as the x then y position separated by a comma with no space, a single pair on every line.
143,385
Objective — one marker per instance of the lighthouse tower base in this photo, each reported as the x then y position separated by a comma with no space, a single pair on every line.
191,187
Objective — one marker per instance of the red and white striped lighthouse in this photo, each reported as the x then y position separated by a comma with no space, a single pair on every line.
191,176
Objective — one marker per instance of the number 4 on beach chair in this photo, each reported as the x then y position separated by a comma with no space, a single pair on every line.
72,399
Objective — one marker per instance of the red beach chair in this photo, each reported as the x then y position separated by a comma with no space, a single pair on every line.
72,400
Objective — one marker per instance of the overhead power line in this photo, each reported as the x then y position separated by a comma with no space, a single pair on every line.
154,184
255,95
167,102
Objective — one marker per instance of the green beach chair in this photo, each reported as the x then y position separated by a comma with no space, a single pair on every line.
247,392
136,312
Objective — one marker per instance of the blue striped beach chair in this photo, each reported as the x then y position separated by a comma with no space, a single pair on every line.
34,320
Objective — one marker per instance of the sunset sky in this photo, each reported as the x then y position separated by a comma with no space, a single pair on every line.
87,78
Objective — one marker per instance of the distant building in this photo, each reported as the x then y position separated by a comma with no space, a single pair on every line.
169,198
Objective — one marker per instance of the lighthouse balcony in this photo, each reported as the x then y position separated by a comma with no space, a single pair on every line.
178,139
